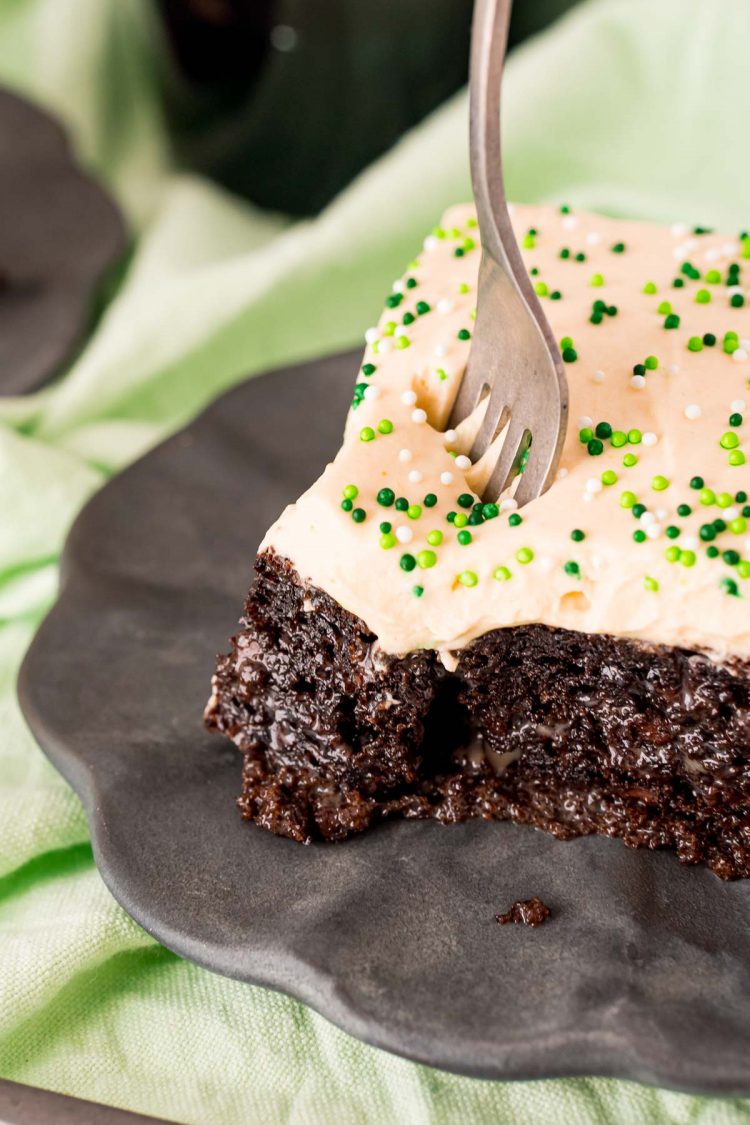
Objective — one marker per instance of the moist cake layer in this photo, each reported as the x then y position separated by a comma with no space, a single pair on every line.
540,725
646,533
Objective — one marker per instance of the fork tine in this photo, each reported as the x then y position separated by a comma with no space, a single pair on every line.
542,455
495,417
508,461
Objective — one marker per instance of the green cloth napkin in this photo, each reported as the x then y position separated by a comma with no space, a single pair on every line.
629,106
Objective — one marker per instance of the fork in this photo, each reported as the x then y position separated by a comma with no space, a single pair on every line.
515,368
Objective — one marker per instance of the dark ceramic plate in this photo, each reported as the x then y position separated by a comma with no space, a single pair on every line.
60,234
643,970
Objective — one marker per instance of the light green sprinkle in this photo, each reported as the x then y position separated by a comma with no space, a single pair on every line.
350,492
651,584
524,555
659,483
502,574
468,578
628,499
414,511
609,476
649,287
426,559
702,297
385,426
629,460
695,344
596,280
387,541
367,434
435,538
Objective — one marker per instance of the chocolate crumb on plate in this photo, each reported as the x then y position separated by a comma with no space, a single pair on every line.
525,912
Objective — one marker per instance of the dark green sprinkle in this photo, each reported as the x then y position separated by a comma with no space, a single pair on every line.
450,517
409,318
730,586
430,500
570,355
386,527
720,525
359,515
555,295
490,511
458,252
709,339
696,482
639,536
577,535
684,510
347,505
385,497
407,562
595,447
515,520
639,369
712,552
672,321
707,532
603,430
678,283
580,257
735,420
464,334
369,369
422,307
401,503
411,283
618,248
476,518
741,497
464,538
465,500
417,591
746,511
596,318
394,300
672,532
565,253
731,558
572,568
638,510
737,301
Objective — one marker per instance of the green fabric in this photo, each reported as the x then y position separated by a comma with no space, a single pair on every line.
628,106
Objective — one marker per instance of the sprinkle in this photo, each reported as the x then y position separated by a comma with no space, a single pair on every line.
450,435
371,335
739,355
464,334
651,584
515,520
371,393
446,478
572,568
426,559
502,574
618,248
649,287
736,457
367,434
407,562
729,440
415,476
524,555
445,305
598,376
609,477
387,540
359,515
577,535
385,426
693,411
463,462
405,455
350,492
419,415
435,538
464,538
659,483
409,398
596,280
649,438
593,238
628,499
594,485
638,381
629,460
468,578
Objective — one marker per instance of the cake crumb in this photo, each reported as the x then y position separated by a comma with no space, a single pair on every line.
529,912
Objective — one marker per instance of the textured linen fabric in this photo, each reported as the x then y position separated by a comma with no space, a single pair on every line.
629,106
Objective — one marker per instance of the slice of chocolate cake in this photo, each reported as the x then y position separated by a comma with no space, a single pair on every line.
582,665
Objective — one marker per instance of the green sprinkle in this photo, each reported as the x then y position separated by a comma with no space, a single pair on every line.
417,591
369,369
555,295
502,574
651,585
651,363
724,499
737,301
629,460
411,283
736,457
430,500
729,440
435,538
408,318
460,519
603,430
628,499
731,557
735,420
577,535
468,578
359,515
387,540
422,308
515,520
403,342
618,248
730,587
585,435
385,426
707,496
385,527
465,500
426,559
707,532
464,538
687,558
713,277
672,532
524,555
695,344
663,308
595,447
464,334
350,492
609,476
649,287
696,482
570,355
541,289
738,526
635,437
638,510
639,536
672,554
572,568
347,505
702,297
490,511
385,497
367,434
528,242
407,562
596,280
401,504
394,300
618,439
684,510
659,483
414,511
672,321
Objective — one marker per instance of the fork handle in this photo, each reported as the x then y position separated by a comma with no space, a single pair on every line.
488,46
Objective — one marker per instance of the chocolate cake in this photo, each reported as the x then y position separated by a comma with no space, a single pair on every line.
582,665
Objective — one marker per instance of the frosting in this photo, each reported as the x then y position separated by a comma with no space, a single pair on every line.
646,531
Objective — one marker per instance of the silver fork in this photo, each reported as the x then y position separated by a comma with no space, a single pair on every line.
514,364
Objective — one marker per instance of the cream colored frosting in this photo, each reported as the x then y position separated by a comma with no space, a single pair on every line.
682,408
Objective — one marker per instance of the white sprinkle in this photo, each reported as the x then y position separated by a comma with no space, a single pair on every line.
594,485
739,355
678,253
730,513
737,404
446,478
733,289
712,254
689,542
647,519
415,476
638,381
545,563
385,345
674,369
661,513
409,398
283,38
440,350
405,455
693,411
371,335
570,222
404,534
679,230
463,462
402,330
371,392
398,286
431,242
653,531
593,238
584,422
509,504
597,562
450,436
419,415
445,305
561,474
730,249
649,438
598,376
